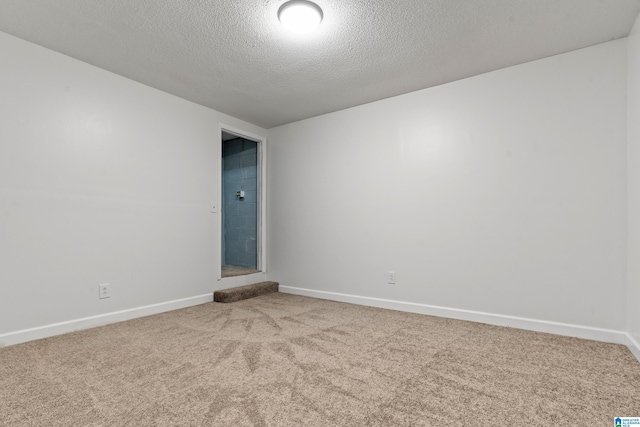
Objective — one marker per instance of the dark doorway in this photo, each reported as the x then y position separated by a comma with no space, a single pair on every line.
240,205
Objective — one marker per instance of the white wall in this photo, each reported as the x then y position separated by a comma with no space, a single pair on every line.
633,129
102,180
504,193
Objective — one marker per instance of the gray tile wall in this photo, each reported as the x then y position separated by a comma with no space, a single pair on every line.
240,215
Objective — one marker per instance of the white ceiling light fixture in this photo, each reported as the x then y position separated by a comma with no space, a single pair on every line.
300,16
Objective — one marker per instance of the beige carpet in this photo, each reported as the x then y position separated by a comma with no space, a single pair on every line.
245,292
284,360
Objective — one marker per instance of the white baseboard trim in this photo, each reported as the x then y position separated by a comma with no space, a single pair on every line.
557,328
47,331
634,346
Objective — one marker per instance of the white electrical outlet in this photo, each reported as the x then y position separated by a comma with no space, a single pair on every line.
103,291
391,277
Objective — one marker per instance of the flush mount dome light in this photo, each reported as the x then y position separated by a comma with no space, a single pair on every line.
300,16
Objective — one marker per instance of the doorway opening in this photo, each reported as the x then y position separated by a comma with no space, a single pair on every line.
240,205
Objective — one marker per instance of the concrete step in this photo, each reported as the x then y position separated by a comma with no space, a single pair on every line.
245,292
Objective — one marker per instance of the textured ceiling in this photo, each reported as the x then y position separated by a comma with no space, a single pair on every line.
233,56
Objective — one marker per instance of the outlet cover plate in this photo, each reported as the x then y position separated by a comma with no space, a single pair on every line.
391,277
103,291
